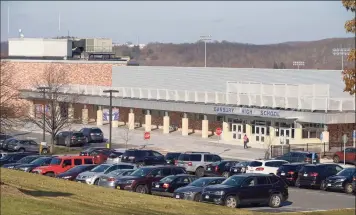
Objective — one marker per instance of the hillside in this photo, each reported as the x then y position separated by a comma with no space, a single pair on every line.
315,54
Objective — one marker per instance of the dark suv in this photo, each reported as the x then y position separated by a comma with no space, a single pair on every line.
219,168
314,175
289,172
141,179
70,138
143,157
248,188
93,134
299,156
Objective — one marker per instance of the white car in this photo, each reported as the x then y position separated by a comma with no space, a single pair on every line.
265,166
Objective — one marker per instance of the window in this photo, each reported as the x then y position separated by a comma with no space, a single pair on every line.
262,181
208,158
67,162
88,161
33,143
338,168
216,158
179,171
249,182
77,162
166,172
156,154
273,179
271,164
184,180
195,157
218,181
312,130
219,118
255,164
156,172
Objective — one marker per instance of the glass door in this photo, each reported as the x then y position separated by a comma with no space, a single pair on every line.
285,135
237,131
260,133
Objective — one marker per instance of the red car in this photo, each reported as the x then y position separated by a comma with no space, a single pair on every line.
61,164
350,156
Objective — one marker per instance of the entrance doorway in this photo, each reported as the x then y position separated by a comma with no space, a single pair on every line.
260,133
285,135
237,131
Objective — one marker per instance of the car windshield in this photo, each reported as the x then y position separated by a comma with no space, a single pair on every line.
76,169
56,161
39,161
216,163
234,181
141,172
201,182
5,157
27,159
170,156
100,168
168,179
255,163
347,172
95,130
116,172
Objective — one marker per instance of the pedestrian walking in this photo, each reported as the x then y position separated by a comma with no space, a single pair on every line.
246,140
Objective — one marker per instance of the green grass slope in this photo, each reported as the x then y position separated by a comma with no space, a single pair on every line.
24,193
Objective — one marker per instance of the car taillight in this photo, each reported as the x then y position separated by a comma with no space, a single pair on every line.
176,162
165,185
260,169
291,172
216,168
73,138
354,178
314,174
92,134
111,179
190,164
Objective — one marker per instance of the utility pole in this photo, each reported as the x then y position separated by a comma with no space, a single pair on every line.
205,38
341,52
43,90
298,63
110,115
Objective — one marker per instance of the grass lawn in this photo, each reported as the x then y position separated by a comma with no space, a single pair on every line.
25,193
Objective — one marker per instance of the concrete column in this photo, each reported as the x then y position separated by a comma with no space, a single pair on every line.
85,115
249,130
148,122
131,122
205,127
225,131
31,109
70,112
115,123
298,135
166,123
99,116
185,125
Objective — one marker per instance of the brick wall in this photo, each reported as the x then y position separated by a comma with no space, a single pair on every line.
337,130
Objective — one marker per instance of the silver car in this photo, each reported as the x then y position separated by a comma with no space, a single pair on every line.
92,177
195,162
26,146
109,180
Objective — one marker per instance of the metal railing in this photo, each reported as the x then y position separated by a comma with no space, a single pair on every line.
220,98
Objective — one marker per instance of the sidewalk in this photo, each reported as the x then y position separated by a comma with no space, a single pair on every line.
173,142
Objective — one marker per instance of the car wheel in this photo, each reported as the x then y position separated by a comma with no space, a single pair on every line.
348,188
50,174
323,185
336,159
197,197
96,182
275,201
21,150
226,174
141,189
44,151
231,202
199,172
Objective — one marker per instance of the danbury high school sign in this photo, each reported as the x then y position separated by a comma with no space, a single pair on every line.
246,111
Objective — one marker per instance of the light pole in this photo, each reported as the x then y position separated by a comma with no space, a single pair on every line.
43,90
205,38
298,63
343,52
110,114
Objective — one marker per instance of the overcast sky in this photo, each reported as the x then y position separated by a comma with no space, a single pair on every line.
178,22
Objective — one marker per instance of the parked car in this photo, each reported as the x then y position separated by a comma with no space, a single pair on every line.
92,177
93,134
195,162
6,142
90,150
42,161
341,181
24,160
289,172
115,157
239,168
4,137
194,190
350,156
70,138
143,157
167,185
314,175
219,168
26,146
61,164
13,157
110,180
72,173
141,180
172,157
247,189
100,154
299,156
265,166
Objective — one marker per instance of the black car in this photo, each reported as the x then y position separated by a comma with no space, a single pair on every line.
72,173
24,160
314,175
93,134
239,168
70,138
172,157
193,190
219,168
143,157
289,172
167,185
299,156
42,161
248,189
341,181
13,157
91,150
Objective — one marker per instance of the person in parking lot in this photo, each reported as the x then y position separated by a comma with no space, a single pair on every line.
246,140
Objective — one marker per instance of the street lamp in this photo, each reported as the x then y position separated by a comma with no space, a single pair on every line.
110,114
298,63
205,38
343,52
43,90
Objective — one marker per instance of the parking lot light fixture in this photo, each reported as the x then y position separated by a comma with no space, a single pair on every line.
110,115
43,90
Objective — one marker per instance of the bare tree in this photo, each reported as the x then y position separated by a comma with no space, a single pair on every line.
125,134
56,98
268,146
